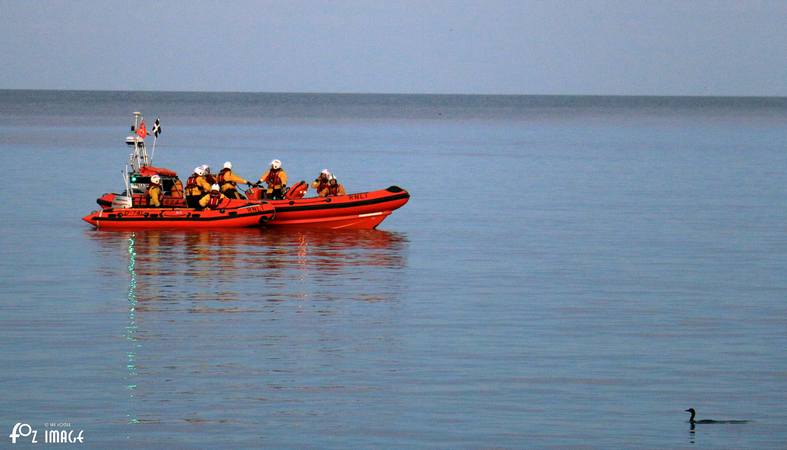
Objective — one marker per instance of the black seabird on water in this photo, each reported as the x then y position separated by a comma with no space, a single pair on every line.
704,421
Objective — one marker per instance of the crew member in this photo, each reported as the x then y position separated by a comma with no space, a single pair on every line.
213,199
177,189
333,189
229,182
196,187
276,179
208,176
321,182
153,193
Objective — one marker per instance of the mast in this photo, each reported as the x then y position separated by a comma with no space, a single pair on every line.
139,154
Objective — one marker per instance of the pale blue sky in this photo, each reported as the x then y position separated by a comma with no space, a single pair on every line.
695,47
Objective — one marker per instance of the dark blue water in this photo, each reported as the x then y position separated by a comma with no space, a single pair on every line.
569,272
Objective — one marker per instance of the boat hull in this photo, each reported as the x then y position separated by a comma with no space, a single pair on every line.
182,218
364,210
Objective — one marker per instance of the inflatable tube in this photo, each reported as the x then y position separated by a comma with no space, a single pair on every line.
249,215
363,210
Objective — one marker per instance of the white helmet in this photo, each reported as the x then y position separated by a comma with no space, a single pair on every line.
326,172
228,165
199,171
275,164
215,187
155,179
206,168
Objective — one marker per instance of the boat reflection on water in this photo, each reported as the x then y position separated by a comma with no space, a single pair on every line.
220,317
176,267
131,330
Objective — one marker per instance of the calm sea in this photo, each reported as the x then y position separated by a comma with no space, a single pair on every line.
569,272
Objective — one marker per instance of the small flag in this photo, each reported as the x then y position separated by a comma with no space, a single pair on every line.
142,131
156,128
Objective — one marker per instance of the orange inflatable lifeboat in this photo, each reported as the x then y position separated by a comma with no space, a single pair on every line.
363,210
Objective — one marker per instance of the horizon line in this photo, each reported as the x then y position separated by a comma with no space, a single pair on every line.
152,91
